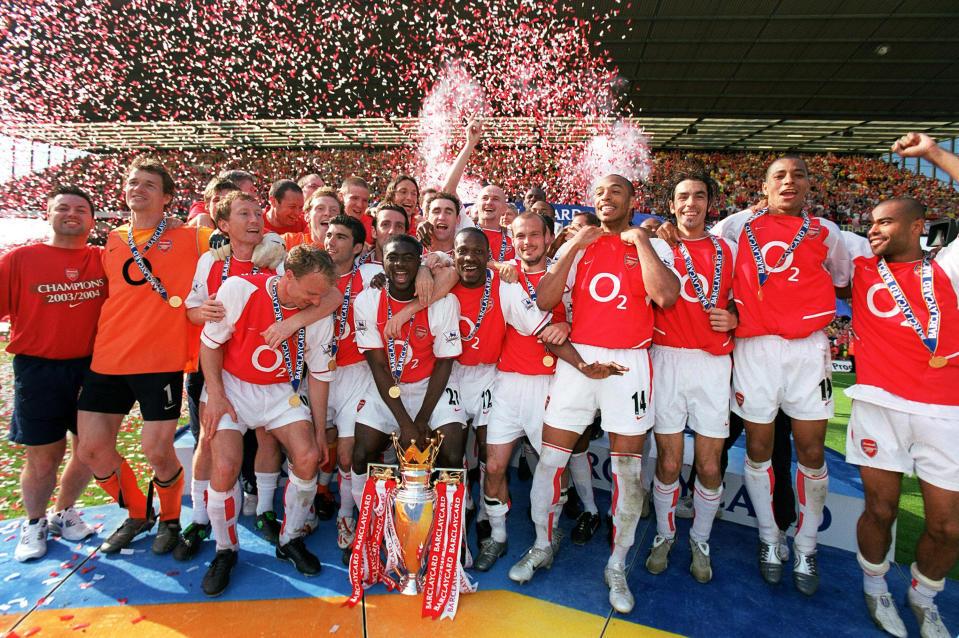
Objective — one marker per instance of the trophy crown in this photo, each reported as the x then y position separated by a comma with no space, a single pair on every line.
413,457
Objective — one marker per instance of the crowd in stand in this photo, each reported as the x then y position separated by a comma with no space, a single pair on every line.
844,188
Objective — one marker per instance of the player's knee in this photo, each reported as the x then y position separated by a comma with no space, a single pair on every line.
224,470
87,451
883,511
344,458
305,460
668,468
157,451
495,467
944,530
708,470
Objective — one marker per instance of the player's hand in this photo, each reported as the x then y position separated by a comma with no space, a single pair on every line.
597,370
434,259
324,450
507,272
212,310
173,221
424,286
635,235
585,236
474,131
668,232
722,320
277,333
270,252
216,406
424,232
913,145
394,327
555,334
378,281
220,246
758,206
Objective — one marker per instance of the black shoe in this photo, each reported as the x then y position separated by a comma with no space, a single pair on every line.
586,525
218,576
325,506
347,553
190,539
470,516
125,534
268,526
574,506
609,530
523,472
296,552
483,531
168,536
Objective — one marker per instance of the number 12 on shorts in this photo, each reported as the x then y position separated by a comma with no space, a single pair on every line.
639,402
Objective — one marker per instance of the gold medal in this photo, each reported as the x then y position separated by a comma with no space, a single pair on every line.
548,360
938,362
175,302
332,365
295,401
395,392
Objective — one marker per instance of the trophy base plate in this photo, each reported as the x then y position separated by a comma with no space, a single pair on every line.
410,586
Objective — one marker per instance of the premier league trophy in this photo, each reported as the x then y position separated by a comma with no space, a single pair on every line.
413,512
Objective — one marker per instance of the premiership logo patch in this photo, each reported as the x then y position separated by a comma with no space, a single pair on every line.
451,337
527,303
359,406
72,274
869,447
420,332
631,261
164,245
739,399
361,325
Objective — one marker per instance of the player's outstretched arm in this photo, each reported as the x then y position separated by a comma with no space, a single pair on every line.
319,393
474,131
568,353
279,332
211,362
921,145
549,291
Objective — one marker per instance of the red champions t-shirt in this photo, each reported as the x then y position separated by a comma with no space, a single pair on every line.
524,353
889,354
500,245
432,335
53,297
508,304
685,324
249,311
798,298
610,306
298,226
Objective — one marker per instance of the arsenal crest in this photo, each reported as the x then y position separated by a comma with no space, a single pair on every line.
813,230
359,406
869,447
72,274
164,245
631,261
739,399
420,332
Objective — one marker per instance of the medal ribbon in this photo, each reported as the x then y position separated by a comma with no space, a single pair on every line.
439,574
694,277
358,564
344,310
757,252
484,304
929,338
396,368
154,282
226,270
452,574
532,295
502,246
295,375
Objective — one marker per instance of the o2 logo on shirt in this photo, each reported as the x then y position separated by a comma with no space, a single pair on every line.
786,265
612,290
692,298
410,362
255,359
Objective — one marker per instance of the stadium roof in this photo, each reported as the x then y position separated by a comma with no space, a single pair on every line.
805,75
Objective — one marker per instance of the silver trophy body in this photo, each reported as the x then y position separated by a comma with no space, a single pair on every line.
413,503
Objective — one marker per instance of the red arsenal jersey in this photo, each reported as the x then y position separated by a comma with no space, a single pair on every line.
798,297
610,306
685,324
508,304
500,245
524,353
298,226
209,277
347,351
433,333
53,296
249,311
889,354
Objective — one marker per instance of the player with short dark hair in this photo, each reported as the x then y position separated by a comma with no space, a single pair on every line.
56,283
285,213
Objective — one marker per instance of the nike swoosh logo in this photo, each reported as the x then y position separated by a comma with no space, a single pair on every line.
74,305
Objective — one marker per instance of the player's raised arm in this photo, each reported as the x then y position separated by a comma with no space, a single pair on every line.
921,145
